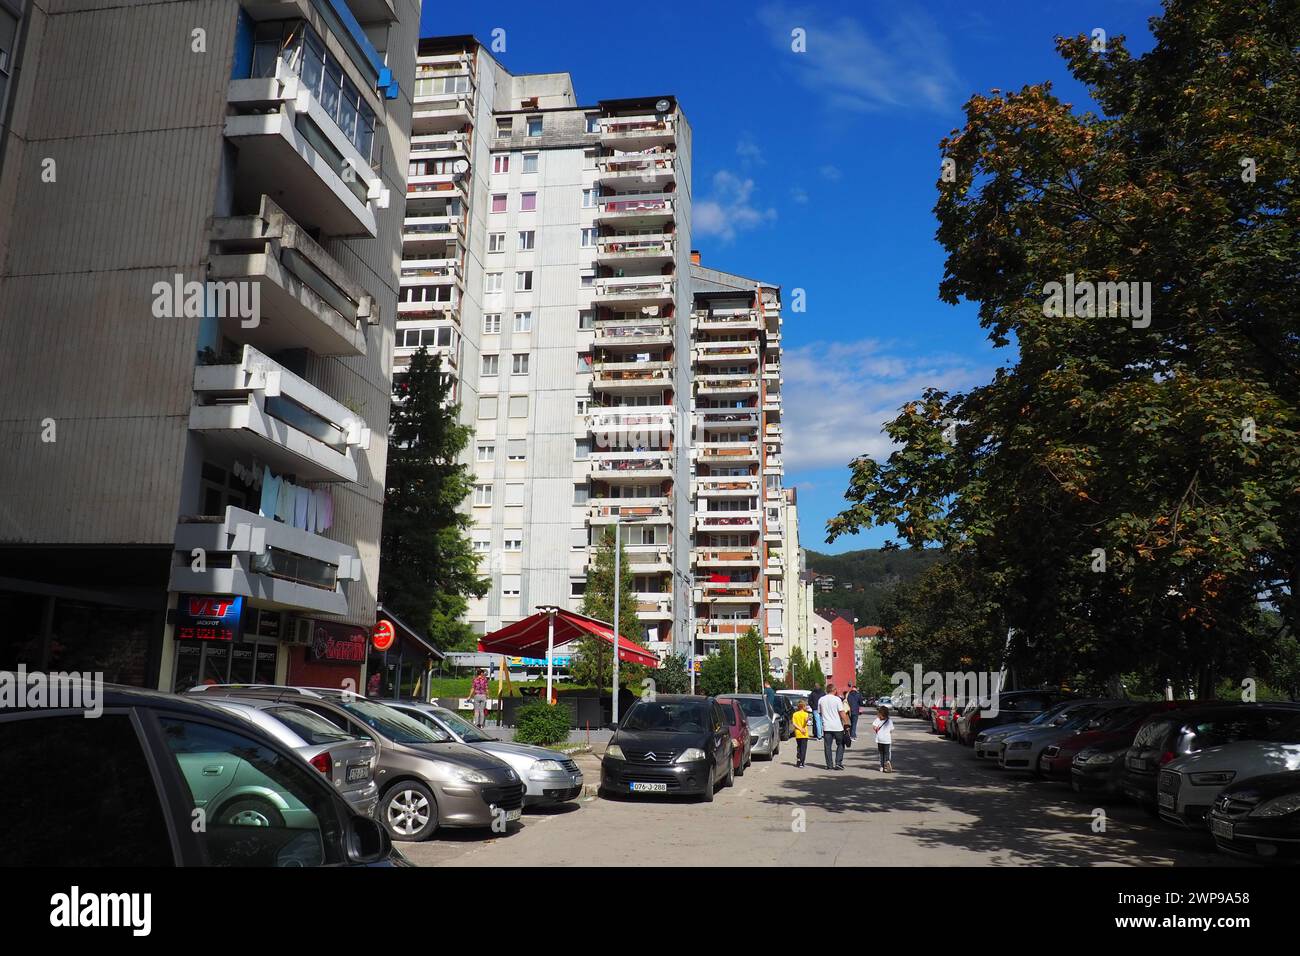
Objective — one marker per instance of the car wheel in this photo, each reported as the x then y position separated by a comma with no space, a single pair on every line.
730,778
707,795
740,771
250,812
409,812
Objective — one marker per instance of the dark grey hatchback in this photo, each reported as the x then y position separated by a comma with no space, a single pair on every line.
673,744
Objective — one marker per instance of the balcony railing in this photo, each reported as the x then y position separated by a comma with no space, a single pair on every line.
641,417
725,628
727,383
308,300
630,464
612,375
631,132
609,510
643,166
659,246
634,289
725,486
727,419
616,206
641,333
724,556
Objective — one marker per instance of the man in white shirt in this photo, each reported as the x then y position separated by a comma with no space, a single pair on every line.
832,710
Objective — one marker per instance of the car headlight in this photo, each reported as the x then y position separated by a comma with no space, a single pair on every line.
1277,807
689,754
1018,745
615,752
1217,778
546,766
1097,758
472,776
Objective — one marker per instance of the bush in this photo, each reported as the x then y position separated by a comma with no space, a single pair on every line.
541,724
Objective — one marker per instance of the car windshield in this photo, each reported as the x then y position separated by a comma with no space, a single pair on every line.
670,717
393,724
751,706
1119,719
1056,715
314,729
462,727
730,714
1288,733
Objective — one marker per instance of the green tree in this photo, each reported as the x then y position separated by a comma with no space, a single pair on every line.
672,676
594,658
717,672
815,676
1122,492
798,668
427,566
872,680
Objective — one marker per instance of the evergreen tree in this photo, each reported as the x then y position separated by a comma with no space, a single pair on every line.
427,566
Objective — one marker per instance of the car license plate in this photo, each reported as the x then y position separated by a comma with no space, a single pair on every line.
358,773
1044,762
1221,828
1135,763
513,815
1166,800
649,787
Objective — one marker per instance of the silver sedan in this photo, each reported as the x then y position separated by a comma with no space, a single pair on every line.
764,730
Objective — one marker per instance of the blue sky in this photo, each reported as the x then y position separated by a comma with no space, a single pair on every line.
817,171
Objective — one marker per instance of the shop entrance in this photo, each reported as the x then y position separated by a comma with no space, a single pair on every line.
224,662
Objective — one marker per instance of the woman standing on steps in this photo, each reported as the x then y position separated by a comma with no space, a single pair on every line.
883,726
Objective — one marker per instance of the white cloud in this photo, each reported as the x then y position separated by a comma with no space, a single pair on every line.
799,195
729,208
838,396
750,152
898,60
831,172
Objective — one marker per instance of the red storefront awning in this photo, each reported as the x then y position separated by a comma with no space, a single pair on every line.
527,638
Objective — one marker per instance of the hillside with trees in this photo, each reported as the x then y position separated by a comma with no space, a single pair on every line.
864,579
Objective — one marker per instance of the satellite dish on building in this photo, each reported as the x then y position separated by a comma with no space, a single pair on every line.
662,106
460,166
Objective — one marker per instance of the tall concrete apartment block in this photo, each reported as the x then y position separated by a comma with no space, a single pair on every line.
198,291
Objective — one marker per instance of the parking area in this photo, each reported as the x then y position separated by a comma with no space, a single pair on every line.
941,808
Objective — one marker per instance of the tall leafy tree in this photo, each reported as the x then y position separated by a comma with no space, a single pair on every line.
427,566
1125,487
595,659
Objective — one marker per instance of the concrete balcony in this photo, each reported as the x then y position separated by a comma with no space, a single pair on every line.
726,557
440,146
306,300
726,320
634,290
727,419
773,465
649,558
431,272
291,148
643,419
728,521
253,407
649,169
644,510
633,133
632,376
611,465
274,565
726,352
725,486
437,186
740,384
441,113
458,61
725,628
636,208
421,231
438,310
649,249
654,606
726,453
623,334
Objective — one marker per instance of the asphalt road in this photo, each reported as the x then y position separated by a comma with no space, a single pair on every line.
940,808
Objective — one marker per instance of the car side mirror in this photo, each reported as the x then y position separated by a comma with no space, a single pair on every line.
367,841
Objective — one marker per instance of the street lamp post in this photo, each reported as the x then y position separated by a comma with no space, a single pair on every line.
618,591
550,610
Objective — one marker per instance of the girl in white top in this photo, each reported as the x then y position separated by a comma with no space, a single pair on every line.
884,730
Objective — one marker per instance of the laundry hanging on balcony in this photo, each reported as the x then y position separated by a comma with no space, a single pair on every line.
309,509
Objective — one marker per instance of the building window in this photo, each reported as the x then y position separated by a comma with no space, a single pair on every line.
517,449
534,126
588,238
530,162
584,362
496,242
491,322
519,364
523,321
482,542
492,282
487,407
505,127
482,495
582,448
498,202
518,406
589,159
588,198
587,278
486,451
490,364
510,585
582,406
577,538
586,318
501,163
527,239
581,494
524,281
513,541
514,494
527,202
593,122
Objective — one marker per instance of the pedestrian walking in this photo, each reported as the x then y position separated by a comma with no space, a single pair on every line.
814,698
883,725
478,693
832,713
854,700
802,720
770,693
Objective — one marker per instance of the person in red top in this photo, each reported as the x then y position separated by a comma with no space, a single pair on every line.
479,696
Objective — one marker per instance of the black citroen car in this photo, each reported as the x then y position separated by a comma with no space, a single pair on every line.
1259,817
674,744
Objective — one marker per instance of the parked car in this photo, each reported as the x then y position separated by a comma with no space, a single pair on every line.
988,743
346,760
1259,818
124,790
549,776
785,713
1020,750
1166,737
939,714
674,744
764,733
426,779
1189,786
738,726
1091,761
1014,707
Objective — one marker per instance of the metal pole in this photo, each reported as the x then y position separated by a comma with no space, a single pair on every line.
735,662
618,589
550,649
690,659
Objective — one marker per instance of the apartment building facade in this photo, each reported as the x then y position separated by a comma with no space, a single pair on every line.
197,305
611,382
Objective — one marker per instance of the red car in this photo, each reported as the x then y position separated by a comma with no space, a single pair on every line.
940,713
1114,736
738,727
